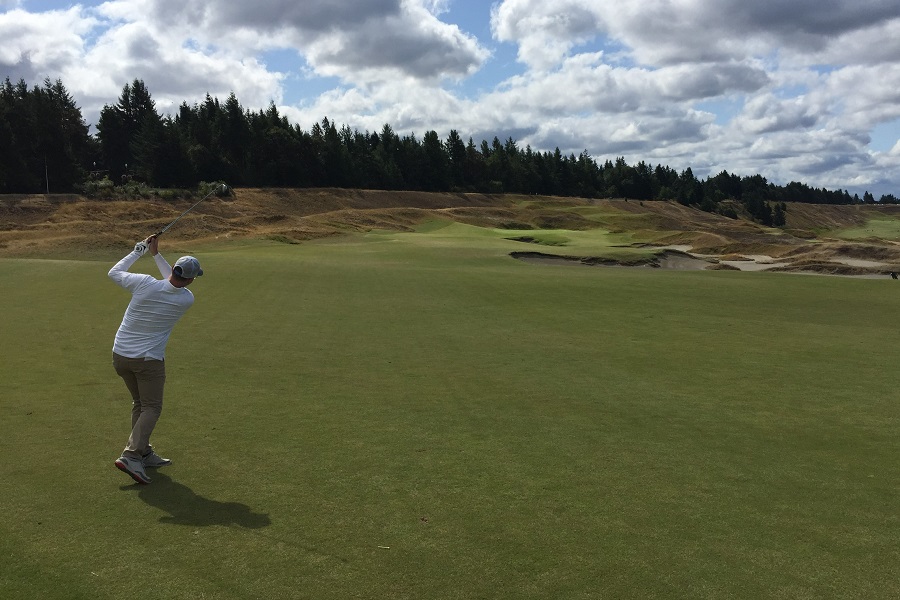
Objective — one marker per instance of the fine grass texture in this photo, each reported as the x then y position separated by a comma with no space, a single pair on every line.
882,228
420,416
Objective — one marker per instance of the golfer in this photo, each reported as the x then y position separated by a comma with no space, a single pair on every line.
139,348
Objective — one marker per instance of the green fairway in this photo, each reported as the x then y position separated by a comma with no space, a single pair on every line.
885,228
419,416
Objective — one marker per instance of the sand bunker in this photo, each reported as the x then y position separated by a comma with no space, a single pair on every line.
679,258
668,259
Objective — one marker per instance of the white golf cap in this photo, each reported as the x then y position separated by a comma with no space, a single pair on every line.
187,267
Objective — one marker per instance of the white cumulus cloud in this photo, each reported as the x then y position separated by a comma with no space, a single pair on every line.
791,90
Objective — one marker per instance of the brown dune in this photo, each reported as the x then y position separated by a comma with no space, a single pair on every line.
69,225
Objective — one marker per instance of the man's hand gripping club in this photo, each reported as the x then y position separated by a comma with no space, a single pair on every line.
151,244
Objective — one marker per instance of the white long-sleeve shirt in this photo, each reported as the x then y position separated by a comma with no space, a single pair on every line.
155,307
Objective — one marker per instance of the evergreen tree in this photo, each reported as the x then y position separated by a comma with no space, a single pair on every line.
146,150
20,170
437,165
42,131
778,214
688,190
64,137
456,153
234,138
132,124
474,168
44,142
643,182
9,157
386,154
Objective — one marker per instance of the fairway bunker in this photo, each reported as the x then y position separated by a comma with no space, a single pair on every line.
677,259
668,259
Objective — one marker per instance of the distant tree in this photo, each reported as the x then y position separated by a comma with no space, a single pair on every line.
43,138
437,164
474,168
282,151
131,125
412,162
10,159
587,176
755,204
754,184
42,131
147,147
723,186
390,175
778,214
642,176
175,163
664,177
542,177
496,163
334,155
21,168
64,136
234,138
456,153
765,215
688,190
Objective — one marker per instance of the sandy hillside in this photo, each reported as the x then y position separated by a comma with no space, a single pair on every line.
64,224
67,225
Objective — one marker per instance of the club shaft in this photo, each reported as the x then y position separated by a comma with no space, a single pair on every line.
166,228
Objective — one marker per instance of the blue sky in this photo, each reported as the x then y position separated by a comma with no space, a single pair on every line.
798,90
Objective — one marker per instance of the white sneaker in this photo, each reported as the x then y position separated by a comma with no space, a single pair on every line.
155,460
133,467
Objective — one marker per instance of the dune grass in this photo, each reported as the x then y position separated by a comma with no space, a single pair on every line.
420,416
592,242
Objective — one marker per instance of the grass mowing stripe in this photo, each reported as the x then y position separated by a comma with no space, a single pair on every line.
507,430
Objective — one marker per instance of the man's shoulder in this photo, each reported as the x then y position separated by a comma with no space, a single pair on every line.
148,284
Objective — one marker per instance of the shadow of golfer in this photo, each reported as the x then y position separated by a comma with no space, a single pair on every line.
188,508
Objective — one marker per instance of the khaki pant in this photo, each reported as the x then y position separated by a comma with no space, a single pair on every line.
145,379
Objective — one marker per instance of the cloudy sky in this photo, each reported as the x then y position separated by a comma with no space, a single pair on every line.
795,90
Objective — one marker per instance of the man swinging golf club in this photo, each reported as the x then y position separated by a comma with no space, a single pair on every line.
139,348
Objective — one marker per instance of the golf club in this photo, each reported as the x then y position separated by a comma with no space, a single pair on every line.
219,188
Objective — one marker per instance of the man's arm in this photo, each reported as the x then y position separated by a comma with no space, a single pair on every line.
165,269
119,273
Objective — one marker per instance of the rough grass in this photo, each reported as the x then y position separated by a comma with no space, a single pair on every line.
39,226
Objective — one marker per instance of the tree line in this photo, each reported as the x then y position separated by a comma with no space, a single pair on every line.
45,143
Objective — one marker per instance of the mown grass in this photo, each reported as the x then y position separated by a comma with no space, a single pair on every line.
420,416
884,228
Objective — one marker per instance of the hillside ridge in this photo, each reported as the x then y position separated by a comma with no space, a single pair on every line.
71,225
